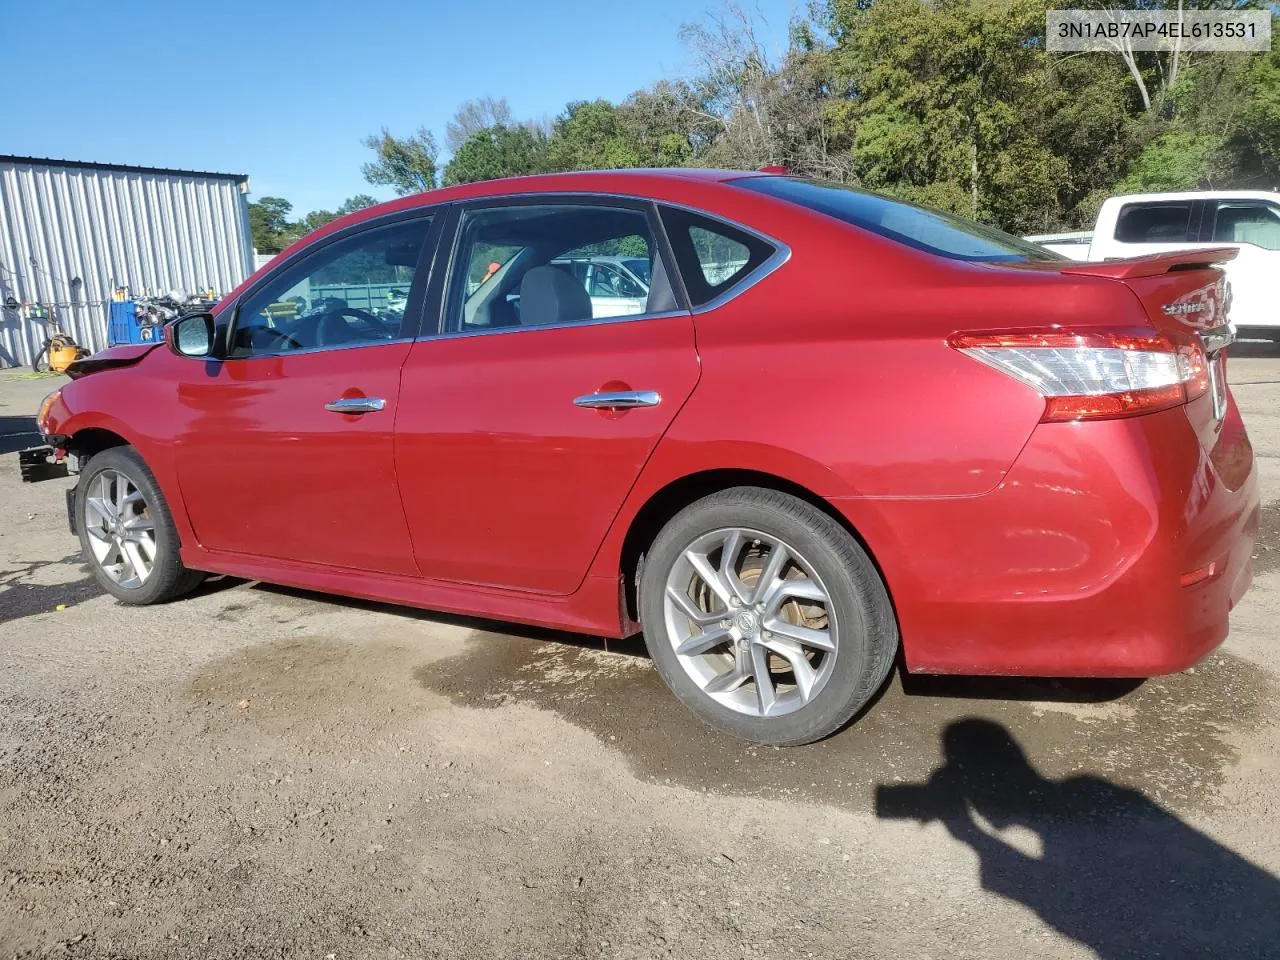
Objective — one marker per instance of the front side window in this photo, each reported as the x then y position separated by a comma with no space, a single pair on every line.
1154,223
1248,221
542,264
353,291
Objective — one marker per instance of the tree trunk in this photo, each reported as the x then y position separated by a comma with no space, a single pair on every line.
973,175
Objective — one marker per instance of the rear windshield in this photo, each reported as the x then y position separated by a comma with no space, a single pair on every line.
930,230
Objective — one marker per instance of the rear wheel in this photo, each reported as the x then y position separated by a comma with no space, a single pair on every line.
765,617
127,532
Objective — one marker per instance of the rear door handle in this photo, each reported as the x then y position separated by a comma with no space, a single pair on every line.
619,399
355,405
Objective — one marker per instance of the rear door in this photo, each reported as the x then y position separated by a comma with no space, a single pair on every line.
526,419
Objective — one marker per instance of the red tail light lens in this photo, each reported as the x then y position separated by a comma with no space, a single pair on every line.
1095,376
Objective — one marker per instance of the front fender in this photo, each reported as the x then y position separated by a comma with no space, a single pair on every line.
134,408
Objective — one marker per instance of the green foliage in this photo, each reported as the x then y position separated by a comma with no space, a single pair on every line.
269,224
406,165
498,151
1173,161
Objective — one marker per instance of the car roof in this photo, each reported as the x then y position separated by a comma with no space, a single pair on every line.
639,182
1195,195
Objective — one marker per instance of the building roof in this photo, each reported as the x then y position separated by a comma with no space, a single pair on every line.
123,168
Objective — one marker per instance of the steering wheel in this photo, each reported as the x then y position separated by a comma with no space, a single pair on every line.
271,340
333,329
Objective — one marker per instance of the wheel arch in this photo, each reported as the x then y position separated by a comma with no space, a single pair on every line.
670,499
88,441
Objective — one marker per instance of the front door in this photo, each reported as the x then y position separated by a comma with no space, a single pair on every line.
287,447
525,424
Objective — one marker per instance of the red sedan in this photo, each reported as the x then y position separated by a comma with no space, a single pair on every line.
808,427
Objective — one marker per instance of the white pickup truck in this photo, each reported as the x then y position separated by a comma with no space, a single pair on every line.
1248,220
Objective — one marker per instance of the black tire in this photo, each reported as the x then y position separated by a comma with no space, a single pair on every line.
868,635
168,578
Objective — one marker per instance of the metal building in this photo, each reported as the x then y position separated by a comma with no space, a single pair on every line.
71,234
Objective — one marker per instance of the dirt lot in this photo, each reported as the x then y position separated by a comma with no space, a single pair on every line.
259,772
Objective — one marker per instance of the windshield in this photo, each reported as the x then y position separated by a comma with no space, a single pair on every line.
640,268
933,231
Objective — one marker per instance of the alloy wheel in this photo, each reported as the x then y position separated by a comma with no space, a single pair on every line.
750,621
121,529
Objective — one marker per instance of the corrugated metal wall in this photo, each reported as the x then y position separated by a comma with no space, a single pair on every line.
69,235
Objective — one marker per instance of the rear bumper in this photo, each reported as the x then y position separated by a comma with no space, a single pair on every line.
1112,548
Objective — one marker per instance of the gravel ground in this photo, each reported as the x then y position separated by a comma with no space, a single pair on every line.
261,772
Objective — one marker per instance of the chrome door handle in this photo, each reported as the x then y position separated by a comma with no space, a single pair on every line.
619,400
355,405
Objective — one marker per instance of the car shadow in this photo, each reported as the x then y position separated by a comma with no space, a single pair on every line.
18,433
23,599
631,646
1039,689
1116,871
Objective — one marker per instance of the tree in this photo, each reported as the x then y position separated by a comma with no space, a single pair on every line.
499,151
589,135
473,116
269,224
407,165
318,218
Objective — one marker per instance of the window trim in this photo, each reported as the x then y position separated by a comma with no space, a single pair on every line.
439,296
413,312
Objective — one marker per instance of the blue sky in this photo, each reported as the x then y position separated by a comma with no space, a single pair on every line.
285,91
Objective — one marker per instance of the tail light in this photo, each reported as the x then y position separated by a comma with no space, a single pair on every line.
1095,375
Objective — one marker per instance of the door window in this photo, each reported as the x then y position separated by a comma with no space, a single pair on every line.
1248,221
1154,223
353,291
542,264
714,257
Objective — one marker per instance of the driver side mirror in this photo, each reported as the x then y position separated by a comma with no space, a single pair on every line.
192,335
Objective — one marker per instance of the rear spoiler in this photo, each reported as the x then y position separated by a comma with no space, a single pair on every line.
1154,264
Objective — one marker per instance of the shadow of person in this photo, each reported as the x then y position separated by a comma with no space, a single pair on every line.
1117,872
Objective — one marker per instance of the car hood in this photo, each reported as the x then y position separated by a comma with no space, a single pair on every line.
123,355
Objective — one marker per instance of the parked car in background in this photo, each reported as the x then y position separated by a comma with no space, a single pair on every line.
1248,220
885,430
618,286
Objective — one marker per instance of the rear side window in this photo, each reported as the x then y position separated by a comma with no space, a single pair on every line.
1248,221
1154,223
714,257
933,231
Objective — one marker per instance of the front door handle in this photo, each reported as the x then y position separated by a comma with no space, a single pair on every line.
355,405
619,399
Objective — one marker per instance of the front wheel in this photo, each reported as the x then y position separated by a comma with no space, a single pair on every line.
127,532
765,617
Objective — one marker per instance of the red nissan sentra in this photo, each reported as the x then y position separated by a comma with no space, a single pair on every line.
804,427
